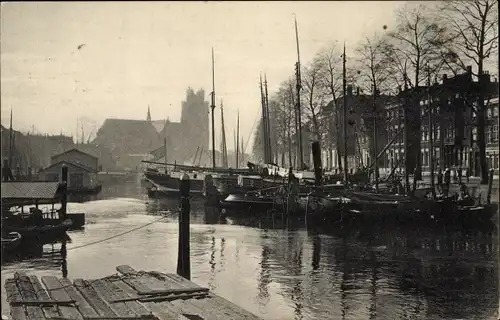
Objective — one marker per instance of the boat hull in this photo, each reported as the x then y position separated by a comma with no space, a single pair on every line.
39,233
11,242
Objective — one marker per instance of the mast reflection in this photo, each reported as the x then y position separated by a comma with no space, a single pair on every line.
264,276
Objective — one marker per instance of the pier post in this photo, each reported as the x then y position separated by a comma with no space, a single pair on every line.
183,259
64,199
490,186
318,171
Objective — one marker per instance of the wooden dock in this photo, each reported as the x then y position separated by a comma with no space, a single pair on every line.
129,295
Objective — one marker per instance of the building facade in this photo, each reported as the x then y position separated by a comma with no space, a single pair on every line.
79,176
451,105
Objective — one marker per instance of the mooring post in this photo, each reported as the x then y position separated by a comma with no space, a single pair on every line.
183,260
64,189
318,171
490,186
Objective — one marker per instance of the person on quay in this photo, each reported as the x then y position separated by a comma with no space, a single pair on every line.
440,181
447,181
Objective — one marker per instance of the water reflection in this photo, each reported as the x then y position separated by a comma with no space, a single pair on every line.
281,271
39,256
264,275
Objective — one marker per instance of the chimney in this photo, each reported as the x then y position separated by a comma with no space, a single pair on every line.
349,90
469,69
445,77
357,91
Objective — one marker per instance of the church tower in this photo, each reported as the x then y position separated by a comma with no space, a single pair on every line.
148,119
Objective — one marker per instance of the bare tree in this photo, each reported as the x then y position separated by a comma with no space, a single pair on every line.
372,64
314,94
330,61
417,41
475,29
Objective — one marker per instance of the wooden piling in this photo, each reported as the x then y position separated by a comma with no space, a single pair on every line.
318,171
183,259
490,186
64,200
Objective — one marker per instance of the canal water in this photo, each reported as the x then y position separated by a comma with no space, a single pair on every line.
280,271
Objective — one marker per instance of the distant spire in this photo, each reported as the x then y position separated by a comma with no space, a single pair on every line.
149,115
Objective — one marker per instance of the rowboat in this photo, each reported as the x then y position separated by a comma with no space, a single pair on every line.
11,241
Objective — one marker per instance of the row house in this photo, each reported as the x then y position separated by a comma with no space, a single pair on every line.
452,104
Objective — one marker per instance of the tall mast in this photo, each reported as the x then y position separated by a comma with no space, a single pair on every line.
237,140
83,139
242,151
299,86
213,109
431,133
77,127
223,137
268,124
296,128
264,121
375,151
406,133
10,140
344,110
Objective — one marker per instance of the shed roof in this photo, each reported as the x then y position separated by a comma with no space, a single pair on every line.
37,190
70,164
74,150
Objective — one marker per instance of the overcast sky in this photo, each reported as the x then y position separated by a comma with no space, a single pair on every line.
140,54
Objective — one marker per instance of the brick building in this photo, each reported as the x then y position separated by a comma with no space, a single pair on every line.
454,125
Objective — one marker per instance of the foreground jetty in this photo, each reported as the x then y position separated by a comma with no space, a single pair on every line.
129,295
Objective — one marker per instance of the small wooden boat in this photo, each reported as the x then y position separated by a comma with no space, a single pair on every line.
11,241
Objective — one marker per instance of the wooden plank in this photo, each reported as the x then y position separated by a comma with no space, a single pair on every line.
162,313
86,310
120,308
13,295
135,306
223,305
57,292
187,306
41,294
43,303
84,287
27,292
149,283
174,291
214,307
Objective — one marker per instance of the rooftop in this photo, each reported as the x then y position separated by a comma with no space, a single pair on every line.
38,190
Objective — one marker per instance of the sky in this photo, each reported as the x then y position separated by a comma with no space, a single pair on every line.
137,54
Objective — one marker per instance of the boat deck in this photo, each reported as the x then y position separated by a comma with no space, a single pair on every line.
128,295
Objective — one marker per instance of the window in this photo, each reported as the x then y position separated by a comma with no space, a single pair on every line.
495,111
494,133
474,134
